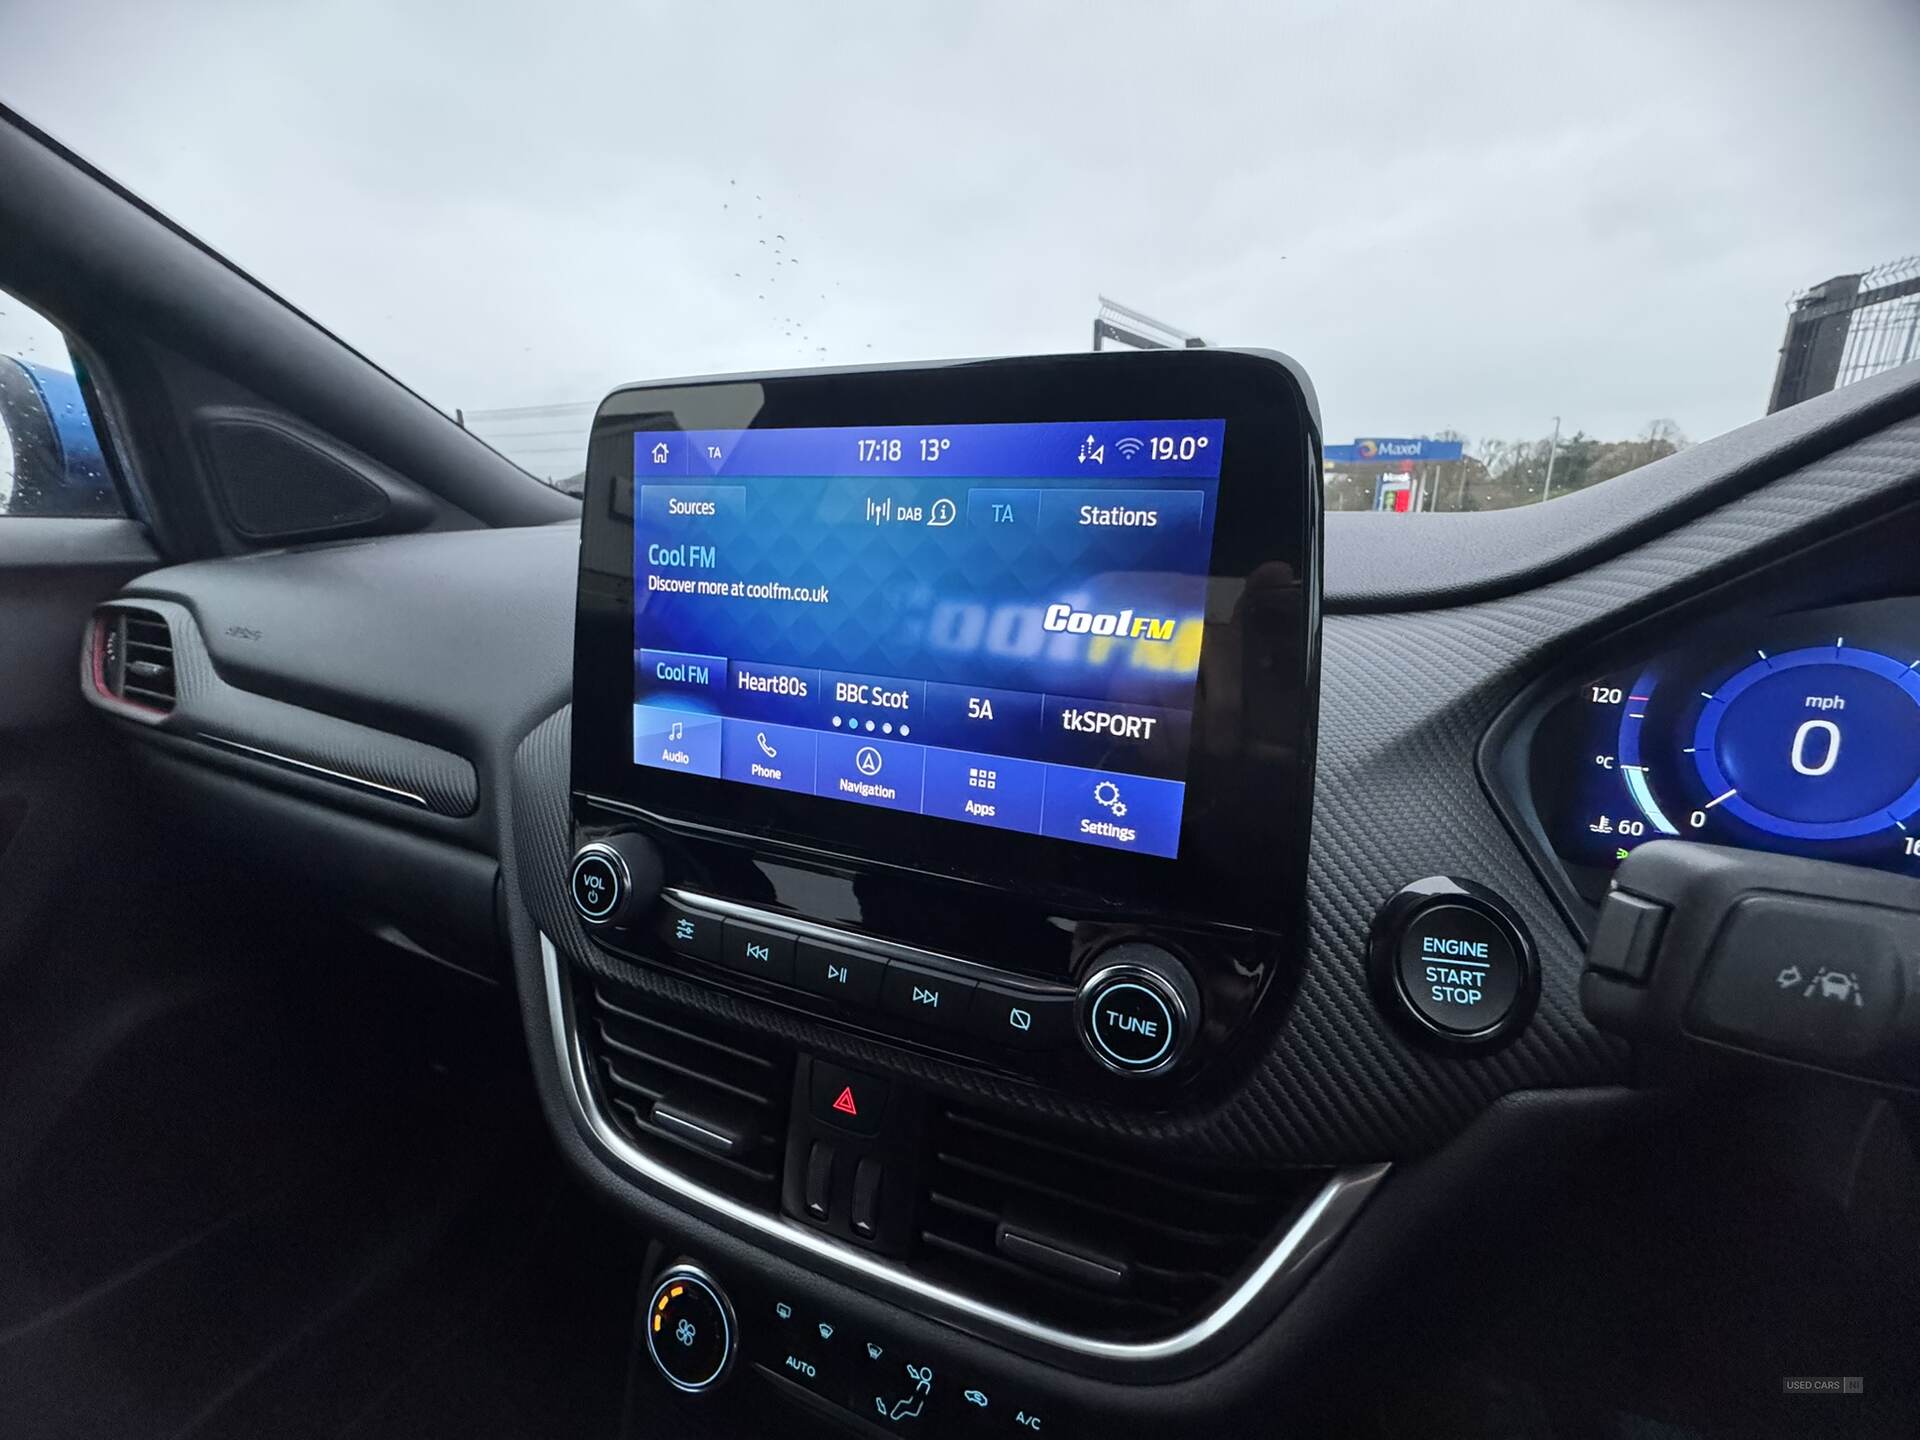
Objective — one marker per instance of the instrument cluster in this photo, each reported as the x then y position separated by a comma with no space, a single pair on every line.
1796,733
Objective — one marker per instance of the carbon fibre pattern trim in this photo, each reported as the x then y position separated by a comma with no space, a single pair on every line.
208,708
1405,700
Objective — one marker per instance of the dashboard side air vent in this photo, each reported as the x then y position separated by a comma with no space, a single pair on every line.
1126,1247
690,1091
133,658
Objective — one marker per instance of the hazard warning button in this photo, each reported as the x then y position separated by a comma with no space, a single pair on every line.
847,1099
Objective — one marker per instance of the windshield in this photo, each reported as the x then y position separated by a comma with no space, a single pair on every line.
1521,248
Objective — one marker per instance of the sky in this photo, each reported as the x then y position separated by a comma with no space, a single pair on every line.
1470,217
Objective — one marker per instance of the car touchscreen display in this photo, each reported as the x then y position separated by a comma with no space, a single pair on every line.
995,625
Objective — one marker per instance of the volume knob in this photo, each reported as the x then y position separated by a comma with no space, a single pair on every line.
615,879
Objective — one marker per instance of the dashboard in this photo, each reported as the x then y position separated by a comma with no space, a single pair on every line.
840,1013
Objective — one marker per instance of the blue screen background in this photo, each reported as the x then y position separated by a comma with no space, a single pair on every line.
882,572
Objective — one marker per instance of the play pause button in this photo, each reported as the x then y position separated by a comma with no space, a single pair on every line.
844,975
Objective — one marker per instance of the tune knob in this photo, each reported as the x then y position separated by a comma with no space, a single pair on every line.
1138,1009
615,879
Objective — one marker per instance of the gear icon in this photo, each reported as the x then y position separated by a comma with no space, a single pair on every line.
1107,794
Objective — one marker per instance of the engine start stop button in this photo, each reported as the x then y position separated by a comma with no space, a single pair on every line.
1452,959
1458,969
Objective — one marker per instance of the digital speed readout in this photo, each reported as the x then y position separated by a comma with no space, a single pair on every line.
1809,745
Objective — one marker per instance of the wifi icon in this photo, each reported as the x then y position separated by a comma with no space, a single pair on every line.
1129,447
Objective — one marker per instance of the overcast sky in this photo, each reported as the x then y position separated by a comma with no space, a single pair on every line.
1469,216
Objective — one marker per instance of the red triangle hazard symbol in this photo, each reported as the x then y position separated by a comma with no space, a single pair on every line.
845,1103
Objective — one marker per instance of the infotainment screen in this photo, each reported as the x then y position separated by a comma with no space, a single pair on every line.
993,625
1046,624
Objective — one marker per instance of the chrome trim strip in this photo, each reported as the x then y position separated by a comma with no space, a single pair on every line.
1280,1271
274,757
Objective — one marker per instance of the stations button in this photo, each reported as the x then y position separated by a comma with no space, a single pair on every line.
755,950
929,996
1020,1019
838,973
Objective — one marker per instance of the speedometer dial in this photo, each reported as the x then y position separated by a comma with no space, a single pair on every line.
1816,744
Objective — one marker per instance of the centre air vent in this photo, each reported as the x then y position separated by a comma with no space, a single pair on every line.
133,658
705,1098
1089,1240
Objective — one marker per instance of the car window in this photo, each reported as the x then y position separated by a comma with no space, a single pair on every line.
50,459
1523,247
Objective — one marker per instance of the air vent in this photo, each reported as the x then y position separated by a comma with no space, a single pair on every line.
700,1096
133,658
1121,1247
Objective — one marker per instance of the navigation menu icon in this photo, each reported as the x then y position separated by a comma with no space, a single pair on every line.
867,761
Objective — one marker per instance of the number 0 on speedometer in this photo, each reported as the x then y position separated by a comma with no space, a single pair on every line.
1814,744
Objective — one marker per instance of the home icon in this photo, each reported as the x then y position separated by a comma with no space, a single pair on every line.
660,453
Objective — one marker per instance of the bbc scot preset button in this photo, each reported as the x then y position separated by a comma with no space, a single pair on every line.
1123,812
